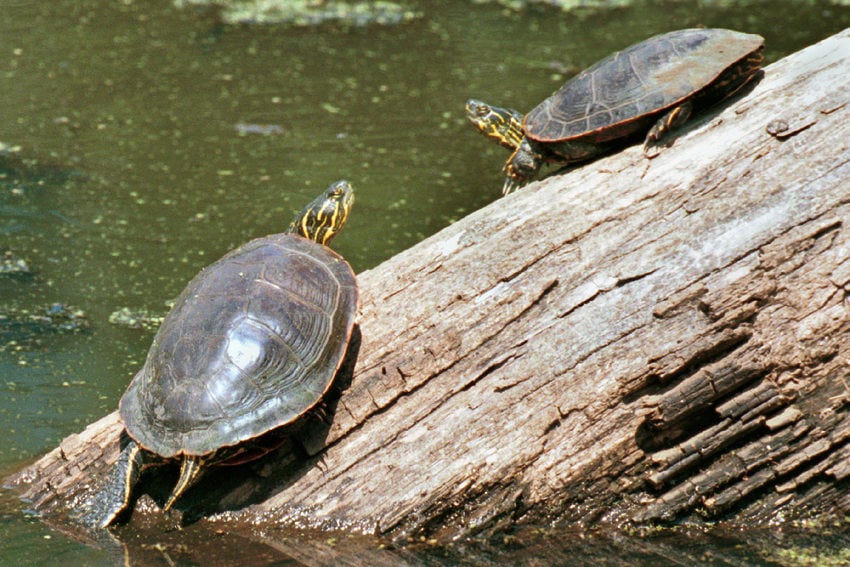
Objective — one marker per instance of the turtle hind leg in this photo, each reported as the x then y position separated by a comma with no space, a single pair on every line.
113,498
190,472
670,120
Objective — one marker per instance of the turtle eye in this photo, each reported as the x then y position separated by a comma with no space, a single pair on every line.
482,111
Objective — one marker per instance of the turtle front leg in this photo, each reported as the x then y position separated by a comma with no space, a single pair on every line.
672,119
521,167
114,496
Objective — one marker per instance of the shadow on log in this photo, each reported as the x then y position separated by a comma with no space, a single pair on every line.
636,340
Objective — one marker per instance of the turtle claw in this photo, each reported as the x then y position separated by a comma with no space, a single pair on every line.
509,186
651,149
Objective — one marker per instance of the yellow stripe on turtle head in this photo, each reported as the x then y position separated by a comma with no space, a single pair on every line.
502,125
323,218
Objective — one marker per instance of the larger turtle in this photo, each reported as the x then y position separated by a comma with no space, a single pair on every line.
252,344
646,90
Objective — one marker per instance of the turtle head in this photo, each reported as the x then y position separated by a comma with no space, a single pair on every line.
502,125
326,214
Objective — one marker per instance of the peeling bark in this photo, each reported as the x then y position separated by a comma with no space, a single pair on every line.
635,340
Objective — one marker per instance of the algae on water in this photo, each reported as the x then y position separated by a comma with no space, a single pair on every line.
308,12
565,5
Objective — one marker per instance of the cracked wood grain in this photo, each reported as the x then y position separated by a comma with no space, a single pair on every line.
665,339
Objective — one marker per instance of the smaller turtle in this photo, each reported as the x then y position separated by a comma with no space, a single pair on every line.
646,89
251,345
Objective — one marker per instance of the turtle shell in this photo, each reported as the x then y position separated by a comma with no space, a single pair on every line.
618,95
252,343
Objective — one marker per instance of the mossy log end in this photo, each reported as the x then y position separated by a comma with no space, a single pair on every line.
635,340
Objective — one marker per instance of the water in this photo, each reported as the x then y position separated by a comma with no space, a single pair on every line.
156,139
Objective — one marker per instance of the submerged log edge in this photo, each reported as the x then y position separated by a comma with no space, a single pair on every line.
636,340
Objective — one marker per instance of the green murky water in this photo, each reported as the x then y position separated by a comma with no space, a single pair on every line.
152,140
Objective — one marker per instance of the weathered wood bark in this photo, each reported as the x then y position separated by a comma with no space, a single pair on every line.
634,340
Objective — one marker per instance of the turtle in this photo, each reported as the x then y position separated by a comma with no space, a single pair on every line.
645,90
252,344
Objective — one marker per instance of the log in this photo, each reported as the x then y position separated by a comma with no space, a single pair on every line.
636,340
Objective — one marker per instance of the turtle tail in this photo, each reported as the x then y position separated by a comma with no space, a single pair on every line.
190,472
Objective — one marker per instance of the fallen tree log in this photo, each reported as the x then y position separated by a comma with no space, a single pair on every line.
635,340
